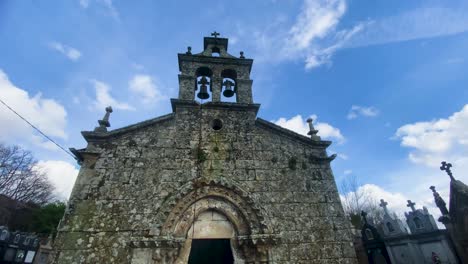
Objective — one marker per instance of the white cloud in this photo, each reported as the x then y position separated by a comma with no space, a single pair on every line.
433,141
356,111
455,60
415,24
137,66
347,172
300,125
71,53
145,87
107,4
321,55
316,20
46,114
104,99
62,174
316,34
84,3
112,10
397,201
313,35
342,156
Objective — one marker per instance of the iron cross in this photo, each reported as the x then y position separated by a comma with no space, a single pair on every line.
383,204
215,34
411,204
446,167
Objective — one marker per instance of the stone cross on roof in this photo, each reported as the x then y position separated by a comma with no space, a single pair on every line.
411,204
215,34
446,167
384,204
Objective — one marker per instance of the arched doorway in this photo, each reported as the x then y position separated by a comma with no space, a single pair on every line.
212,210
212,235
210,239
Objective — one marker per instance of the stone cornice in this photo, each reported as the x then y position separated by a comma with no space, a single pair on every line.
216,60
214,105
438,234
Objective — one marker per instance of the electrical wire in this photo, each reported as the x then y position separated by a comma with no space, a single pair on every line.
37,129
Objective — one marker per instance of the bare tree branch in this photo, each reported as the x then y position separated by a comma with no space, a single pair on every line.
355,199
20,179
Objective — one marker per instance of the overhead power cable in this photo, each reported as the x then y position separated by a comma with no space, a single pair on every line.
37,129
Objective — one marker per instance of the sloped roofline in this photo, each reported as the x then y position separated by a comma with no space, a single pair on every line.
91,135
291,134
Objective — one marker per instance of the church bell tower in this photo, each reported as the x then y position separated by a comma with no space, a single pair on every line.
214,75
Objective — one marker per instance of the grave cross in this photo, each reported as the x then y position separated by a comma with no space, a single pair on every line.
383,204
411,204
446,167
215,34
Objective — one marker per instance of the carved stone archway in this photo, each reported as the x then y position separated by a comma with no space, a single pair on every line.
252,239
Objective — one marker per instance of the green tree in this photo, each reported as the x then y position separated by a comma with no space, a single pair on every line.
46,218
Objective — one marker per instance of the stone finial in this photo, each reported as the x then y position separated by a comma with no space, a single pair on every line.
215,34
104,122
439,201
189,50
446,167
364,216
411,204
384,204
312,131
242,55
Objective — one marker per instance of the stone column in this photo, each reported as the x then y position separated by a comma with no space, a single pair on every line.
187,86
244,91
216,85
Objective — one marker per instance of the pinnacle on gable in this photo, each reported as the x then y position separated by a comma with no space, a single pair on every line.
104,122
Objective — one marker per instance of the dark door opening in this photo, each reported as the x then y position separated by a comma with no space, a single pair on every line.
211,251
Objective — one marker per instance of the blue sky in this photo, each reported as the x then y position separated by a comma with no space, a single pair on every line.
385,80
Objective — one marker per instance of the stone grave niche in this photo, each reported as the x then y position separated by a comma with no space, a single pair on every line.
420,220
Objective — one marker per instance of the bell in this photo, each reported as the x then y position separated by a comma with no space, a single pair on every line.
228,90
203,94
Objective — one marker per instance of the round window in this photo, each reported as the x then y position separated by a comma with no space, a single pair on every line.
217,124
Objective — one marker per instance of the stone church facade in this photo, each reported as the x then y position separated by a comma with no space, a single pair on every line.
209,173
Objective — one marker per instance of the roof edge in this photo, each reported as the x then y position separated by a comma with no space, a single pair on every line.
91,135
292,134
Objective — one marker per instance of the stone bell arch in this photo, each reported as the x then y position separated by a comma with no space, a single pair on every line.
244,224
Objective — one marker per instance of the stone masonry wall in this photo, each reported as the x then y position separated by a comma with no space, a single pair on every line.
127,177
